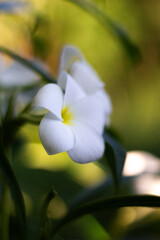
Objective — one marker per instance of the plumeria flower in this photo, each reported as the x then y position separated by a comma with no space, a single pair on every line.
16,75
17,78
73,121
73,62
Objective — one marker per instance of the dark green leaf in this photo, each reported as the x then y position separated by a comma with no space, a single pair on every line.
43,228
30,64
10,106
115,155
108,203
109,24
10,177
104,189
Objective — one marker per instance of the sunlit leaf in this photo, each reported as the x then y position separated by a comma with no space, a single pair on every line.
115,155
108,203
146,227
115,28
30,64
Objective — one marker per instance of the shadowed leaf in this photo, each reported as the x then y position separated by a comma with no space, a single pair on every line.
115,155
44,228
108,203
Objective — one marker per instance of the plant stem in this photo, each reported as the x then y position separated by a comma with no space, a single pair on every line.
5,205
5,209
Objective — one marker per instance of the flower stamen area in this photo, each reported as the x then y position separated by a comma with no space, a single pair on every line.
67,115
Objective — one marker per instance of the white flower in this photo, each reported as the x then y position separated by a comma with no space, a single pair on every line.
16,75
73,62
74,121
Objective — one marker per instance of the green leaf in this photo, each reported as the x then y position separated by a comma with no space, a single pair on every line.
107,203
10,107
115,155
30,64
10,177
118,31
44,228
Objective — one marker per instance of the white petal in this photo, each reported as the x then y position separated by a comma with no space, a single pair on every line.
69,55
18,75
49,97
3,103
90,110
86,77
104,100
56,137
2,65
73,91
89,145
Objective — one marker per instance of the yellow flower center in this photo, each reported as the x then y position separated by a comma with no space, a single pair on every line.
67,115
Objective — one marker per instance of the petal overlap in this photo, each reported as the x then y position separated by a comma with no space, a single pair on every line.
69,55
48,98
90,110
55,136
86,77
73,62
73,92
89,145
